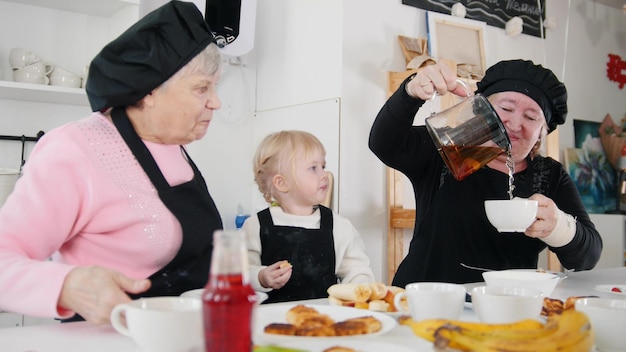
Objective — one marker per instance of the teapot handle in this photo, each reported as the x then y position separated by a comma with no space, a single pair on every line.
461,82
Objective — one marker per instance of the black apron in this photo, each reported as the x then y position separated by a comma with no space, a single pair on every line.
310,251
194,208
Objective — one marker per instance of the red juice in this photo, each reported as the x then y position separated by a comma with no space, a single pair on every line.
227,312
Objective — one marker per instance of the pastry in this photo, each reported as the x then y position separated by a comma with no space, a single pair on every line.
280,329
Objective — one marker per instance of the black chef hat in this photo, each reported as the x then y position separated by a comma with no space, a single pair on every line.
535,81
146,55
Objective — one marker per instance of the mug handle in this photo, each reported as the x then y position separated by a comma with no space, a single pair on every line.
49,67
397,299
46,80
118,319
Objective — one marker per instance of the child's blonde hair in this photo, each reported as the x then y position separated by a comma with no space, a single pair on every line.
277,154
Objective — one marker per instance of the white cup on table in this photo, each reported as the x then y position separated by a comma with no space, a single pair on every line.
161,324
433,300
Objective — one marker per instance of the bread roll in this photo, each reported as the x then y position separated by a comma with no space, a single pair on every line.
280,329
373,325
350,292
349,328
296,313
315,330
339,349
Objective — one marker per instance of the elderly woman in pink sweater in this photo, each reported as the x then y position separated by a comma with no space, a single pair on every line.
111,207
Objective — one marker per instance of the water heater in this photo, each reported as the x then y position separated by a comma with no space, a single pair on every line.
233,23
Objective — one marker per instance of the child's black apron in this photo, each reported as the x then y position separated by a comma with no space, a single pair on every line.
310,251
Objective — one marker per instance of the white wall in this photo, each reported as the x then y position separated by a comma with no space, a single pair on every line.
312,51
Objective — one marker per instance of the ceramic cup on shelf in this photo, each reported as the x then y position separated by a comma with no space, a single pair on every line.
161,324
64,78
41,67
84,76
20,57
25,76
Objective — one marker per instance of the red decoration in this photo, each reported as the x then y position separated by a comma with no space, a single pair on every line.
615,70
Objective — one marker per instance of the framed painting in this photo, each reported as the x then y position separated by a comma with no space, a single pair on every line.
594,178
459,39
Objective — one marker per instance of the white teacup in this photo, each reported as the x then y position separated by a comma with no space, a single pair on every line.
607,317
433,300
514,215
161,324
502,305
20,57
8,177
64,78
44,68
23,76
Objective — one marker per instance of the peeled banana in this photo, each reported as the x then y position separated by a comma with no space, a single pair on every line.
570,331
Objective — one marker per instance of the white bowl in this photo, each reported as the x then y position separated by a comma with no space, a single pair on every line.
514,215
501,305
608,318
524,278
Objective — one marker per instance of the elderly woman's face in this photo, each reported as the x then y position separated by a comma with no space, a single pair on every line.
523,119
181,110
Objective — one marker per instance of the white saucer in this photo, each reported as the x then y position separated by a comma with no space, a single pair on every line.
197,293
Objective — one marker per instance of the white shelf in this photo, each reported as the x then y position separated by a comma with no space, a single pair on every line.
42,93
103,8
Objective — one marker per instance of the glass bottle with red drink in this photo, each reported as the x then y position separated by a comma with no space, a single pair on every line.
228,298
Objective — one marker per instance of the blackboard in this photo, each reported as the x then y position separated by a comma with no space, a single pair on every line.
493,12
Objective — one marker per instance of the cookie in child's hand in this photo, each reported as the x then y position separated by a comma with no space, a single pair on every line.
285,264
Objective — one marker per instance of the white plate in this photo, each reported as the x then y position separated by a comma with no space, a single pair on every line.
268,314
359,345
608,288
197,293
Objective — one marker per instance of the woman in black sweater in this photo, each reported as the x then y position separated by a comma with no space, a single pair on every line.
451,226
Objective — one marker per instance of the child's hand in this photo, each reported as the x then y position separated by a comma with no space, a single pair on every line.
276,275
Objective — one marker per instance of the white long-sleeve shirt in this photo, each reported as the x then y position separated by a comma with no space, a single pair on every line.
352,263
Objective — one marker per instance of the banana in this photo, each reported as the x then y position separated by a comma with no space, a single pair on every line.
568,332
350,292
426,329
379,291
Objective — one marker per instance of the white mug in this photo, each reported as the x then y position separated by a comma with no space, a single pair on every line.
44,68
23,76
64,78
20,57
433,300
8,177
161,324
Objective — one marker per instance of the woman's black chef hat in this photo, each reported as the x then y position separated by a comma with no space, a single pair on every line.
535,81
146,55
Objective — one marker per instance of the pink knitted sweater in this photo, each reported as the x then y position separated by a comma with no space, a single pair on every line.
84,200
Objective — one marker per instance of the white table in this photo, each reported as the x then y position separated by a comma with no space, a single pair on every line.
81,337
